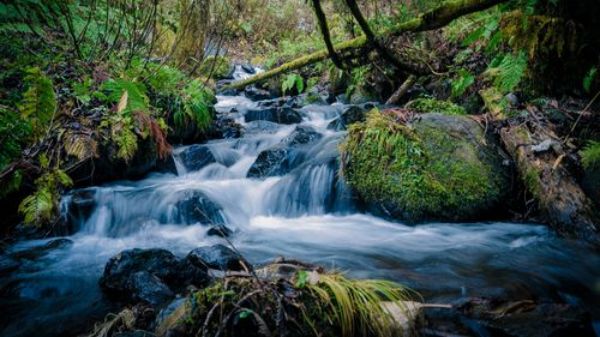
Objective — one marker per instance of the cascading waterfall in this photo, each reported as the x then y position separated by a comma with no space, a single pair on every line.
305,212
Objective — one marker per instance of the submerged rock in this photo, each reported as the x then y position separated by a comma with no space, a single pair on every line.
217,257
435,167
277,115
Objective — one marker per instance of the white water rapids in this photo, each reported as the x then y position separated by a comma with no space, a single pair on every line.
305,214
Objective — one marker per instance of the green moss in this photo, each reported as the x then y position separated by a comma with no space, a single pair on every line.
423,170
425,105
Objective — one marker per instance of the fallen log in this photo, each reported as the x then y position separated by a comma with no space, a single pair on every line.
433,19
539,159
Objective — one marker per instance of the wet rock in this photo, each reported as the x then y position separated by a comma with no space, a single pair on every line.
276,115
352,114
282,158
219,230
248,69
256,94
164,319
149,288
109,167
271,162
302,135
151,275
81,205
166,165
195,206
225,128
39,251
218,257
196,157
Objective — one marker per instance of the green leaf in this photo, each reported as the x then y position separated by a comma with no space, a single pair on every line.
245,313
589,79
301,279
462,82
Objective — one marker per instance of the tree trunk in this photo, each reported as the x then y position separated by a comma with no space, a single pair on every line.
562,202
433,19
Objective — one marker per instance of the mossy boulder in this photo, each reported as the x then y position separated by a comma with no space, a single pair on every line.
426,105
436,167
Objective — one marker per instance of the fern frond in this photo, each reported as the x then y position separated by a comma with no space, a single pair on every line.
590,155
79,145
39,101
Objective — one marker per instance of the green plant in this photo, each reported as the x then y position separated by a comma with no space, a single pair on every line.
39,101
196,105
589,78
590,155
507,71
41,207
421,170
463,80
355,306
426,105
292,81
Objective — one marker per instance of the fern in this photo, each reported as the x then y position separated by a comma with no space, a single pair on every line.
590,155
42,206
195,105
39,101
462,82
291,81
136,93
79,145
127,143
507,71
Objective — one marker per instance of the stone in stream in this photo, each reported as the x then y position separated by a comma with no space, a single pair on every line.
282,158
256,94
39,251
350,115
196,157
277,115
195,207
149,275
436,167
217,257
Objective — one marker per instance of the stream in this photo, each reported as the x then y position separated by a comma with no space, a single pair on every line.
305,213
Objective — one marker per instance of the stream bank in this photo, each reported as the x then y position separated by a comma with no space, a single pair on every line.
293,204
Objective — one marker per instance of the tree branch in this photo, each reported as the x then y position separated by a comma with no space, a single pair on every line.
433,19
322,19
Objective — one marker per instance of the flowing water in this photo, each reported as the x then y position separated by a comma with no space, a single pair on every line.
304,214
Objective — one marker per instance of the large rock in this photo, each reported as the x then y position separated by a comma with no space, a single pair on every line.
109,167
149,275
195,206
436,167
217,257
276,115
